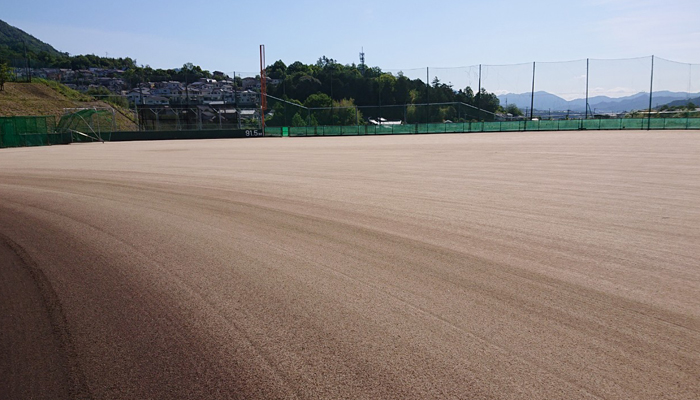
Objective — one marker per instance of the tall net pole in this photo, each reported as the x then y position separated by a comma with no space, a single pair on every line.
651,92
427,94
532,99
478,93
587,71
263,87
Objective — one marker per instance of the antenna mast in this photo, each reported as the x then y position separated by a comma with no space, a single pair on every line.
362,60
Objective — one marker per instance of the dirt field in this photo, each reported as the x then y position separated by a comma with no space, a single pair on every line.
481,266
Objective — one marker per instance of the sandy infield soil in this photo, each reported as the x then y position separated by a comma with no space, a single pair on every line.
480,266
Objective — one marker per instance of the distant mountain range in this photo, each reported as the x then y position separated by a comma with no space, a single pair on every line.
695,101
599,104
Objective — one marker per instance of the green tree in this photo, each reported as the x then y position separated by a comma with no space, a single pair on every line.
513,110
278,70
321,104
488,102
298,66
313,121
387,88
283,113
345,113
297,120
318,100
4,75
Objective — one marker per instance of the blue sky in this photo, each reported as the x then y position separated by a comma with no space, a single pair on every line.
395,35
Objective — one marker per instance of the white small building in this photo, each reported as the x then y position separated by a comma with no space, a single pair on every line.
156,101
135,96
250,83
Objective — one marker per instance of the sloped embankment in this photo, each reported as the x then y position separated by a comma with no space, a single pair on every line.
25,99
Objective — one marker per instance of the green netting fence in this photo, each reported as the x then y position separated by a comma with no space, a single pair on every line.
30,131
42,131
89,124
497,126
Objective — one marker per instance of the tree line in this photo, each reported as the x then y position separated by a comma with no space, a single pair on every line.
338,94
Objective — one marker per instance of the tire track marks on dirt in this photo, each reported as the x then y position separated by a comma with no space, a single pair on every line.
481,266
23,384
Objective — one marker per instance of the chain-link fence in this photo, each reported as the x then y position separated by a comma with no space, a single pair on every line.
347,95
649,87
583,88
196,117
495,126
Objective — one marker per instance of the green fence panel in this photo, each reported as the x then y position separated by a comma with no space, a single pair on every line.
35,139
404,129
501,126
532,125
549,125
434,128
21,127
510,126
9,136
332,130
568,125
297,130
676,123
490,126
454,128
274,131
59,138
383,129
41,131
28,131
605,124
657,123
631,123
591,124
352,130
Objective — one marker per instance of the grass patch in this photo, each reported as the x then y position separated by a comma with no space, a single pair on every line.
65,90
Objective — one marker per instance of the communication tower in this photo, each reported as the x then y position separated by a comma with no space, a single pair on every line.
362,60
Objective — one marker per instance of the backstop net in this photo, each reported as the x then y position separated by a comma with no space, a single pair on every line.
87,124
579,89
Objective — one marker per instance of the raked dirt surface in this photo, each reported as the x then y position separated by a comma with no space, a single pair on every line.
468,266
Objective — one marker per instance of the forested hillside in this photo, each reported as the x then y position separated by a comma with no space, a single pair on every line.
16,46
14,41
